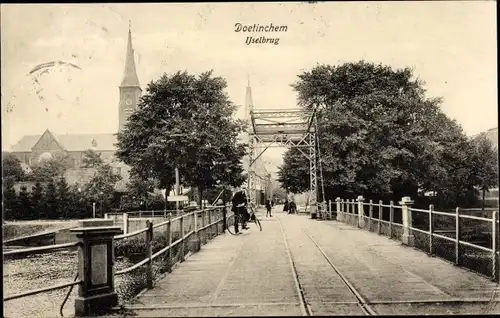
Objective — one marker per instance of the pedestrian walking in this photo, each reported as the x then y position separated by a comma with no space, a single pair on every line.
269,208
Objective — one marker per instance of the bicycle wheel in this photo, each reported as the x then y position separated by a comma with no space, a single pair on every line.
256,221
230,228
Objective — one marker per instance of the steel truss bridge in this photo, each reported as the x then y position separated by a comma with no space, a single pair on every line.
291,128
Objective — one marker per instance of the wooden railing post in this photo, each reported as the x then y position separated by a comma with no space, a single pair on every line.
219,220
195,221
169,232
204,222
494,247
224,216
391,217
431,229
379,216
370,215
329,209
182,237
149,254
210,228
457,236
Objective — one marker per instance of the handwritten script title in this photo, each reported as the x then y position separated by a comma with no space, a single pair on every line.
238,27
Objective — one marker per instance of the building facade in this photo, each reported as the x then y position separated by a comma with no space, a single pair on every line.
33,148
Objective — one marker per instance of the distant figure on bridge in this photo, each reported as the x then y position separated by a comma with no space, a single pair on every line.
269,206
292,208
285,206
239,206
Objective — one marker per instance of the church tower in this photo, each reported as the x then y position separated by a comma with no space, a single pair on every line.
130,90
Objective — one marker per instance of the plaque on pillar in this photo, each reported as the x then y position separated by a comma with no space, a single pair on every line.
99,257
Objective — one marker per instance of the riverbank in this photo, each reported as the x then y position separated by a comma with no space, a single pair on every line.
15,229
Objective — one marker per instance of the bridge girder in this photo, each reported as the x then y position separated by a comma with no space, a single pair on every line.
291,128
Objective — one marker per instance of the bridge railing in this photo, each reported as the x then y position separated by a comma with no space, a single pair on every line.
97,249
140,214
467,240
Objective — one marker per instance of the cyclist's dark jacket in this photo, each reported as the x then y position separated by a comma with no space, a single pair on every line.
238,198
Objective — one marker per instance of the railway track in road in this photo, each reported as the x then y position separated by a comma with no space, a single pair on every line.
306,310
315,294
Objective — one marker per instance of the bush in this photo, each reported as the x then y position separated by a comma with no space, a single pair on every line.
137,245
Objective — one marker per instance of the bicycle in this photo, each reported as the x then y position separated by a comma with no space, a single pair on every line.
238,219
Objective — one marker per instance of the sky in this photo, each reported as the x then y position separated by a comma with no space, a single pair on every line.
450,45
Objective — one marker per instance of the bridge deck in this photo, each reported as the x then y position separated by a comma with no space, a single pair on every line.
251,275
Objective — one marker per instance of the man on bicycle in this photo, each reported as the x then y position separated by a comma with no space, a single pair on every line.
239,207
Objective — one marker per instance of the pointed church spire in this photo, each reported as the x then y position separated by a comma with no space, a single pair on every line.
248,105
248,100
130,78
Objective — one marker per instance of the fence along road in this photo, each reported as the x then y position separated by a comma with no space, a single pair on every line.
299,266
183,232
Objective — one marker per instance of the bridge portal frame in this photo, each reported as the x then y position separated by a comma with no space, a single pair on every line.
293,128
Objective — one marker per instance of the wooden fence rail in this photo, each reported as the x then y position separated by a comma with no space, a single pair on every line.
96,254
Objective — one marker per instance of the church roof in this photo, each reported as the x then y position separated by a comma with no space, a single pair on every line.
72,142
79,142
26,143
130,78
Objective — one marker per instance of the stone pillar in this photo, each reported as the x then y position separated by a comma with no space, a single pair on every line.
361,214
340,215
406,203
194,241
125,223
96,293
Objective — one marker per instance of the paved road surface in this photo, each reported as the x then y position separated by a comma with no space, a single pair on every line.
252,275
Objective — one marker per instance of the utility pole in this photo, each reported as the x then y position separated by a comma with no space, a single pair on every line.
270,188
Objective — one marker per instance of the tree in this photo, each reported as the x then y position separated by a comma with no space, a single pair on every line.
91,159
184,121
50,201
10,199
101,186
11,167
80,206
36,199
378,134
485,164
279,193
294,172
64,202
50,169
25,204
139,186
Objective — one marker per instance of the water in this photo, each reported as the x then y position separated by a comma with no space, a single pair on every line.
43,270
